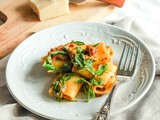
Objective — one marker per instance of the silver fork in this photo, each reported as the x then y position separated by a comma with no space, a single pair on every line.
125,71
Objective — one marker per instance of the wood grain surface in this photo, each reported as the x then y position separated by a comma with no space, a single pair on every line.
21,22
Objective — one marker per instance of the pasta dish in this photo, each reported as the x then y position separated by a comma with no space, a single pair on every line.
80,66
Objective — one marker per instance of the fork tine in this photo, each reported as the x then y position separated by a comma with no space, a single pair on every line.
128,62
136,58
127,57
131,59
120,62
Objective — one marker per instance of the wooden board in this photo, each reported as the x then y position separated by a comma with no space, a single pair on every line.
22,22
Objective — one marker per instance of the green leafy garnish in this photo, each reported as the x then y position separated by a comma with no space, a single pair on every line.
80,62
95,82
50,67
95,45
82,80
79,50
58,52
89,91
48,62
88,64
78,42
101,69
59,84
87,87
57,90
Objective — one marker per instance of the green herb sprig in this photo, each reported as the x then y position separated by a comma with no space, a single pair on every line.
88,84
101,69
59,84
48,62
80,62
95,45
78,42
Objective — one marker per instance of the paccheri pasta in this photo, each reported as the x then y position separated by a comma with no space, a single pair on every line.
80,66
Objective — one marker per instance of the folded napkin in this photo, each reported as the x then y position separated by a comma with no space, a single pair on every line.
148,108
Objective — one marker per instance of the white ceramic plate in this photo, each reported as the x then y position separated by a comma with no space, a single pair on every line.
28,81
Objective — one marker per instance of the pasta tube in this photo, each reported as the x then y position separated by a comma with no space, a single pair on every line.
65,86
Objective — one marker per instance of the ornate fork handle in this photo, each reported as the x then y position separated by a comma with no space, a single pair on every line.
104,113
124,72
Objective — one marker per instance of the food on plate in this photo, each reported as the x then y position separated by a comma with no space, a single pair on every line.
46,9
65,86
95,55
80,66
57,60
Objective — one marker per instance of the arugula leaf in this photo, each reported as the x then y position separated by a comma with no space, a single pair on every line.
48,62
59,84
95,82
57,90
95,45
101,69
87,87
78,42
58,52
50,67
55,84
88,64
82,80
66,77
92,94
79,50
49,58
89,92
63,79
79,60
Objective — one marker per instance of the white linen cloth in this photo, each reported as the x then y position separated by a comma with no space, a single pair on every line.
147,28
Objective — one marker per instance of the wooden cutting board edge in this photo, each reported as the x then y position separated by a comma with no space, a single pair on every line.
21,22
